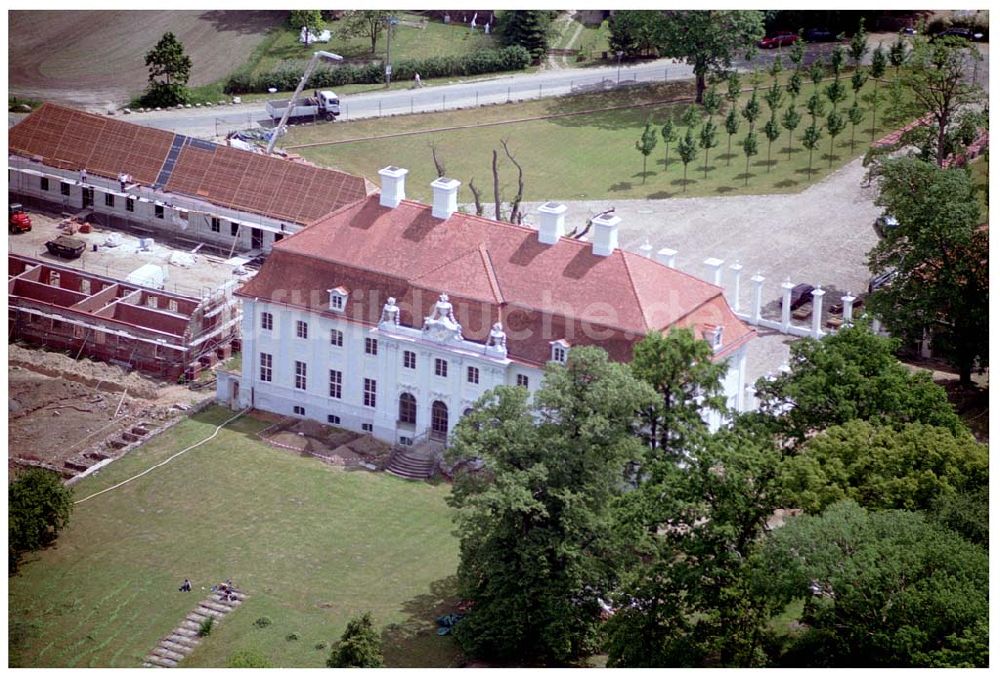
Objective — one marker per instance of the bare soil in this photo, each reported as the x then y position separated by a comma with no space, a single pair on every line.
95,59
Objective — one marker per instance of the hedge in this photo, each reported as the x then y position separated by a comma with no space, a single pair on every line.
285,76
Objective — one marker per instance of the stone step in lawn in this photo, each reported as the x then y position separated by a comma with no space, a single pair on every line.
217,606
186,632
181,650
202,610
180,640
173,648
157,661
168,654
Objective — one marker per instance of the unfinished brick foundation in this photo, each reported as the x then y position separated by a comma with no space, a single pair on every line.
159,333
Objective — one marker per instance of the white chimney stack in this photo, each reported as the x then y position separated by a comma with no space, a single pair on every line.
553,223
445,197
605,228
393,186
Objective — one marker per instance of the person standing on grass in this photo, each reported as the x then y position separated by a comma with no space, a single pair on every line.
416,80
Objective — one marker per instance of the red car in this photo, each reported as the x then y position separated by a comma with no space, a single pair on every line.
778,40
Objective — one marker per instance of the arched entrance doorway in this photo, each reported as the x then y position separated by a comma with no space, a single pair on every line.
439,420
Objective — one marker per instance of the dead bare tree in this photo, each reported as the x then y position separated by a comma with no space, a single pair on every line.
476,196
515,205
438,165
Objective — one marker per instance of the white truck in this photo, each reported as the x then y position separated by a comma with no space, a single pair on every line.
323,104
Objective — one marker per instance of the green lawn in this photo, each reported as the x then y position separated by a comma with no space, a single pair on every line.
584,156
408,42
312,545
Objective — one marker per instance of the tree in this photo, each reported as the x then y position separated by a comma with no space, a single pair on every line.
38,507
883,467
732,125
772,130
774,97
691,116
687,150
790,120
810,140
941,258
885,589
669,134
856,115
837,61
169,70
634,32
709,40
852,375
645,145
835,124
836,92
312,19
733,88
794,85
532,29
815,106
749,150
751,111
364,23
359,645
877,71
690,598
707,140
937,78
858,46
898,53
968,514
858,80
816,73
680,367
537,548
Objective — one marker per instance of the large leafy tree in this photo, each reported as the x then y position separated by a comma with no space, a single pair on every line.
884,467
359,646
883,589
938,77
709,40
634,32
852,375
38,507
690,598
310,18
941,255
364,23
532,29
169,70
537,548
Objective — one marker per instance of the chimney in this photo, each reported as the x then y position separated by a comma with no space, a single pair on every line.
445,197
393,186
553,223
605,228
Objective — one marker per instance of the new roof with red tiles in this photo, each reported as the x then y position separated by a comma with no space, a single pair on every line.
492,271
292,191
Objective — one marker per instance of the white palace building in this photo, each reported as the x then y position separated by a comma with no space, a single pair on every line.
392,317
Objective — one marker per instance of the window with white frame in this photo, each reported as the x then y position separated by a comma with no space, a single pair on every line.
266,320
338,299
370,391
336,383
333,419
410,360
522,380
298,410
559,351
336,338
371,346
440,367
472,374
301,329
266,363
367,426
300,375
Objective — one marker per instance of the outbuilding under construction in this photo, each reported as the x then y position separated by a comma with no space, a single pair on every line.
160,333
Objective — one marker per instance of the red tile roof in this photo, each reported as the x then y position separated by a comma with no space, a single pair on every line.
228,177
491,271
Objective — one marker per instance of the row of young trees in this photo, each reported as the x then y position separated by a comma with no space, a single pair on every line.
608,492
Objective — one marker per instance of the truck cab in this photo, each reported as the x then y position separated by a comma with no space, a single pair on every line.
328,102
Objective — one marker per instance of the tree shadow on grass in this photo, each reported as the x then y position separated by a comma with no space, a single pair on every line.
725,189
785,183
728,157
785,150
683,182
765,163
620,186
415,642
659,195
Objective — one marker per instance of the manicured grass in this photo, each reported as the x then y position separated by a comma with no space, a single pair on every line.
312,545
408,42
584,156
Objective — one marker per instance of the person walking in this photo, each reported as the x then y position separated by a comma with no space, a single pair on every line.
416,80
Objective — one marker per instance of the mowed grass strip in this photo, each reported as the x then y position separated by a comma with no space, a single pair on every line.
569,155
312,545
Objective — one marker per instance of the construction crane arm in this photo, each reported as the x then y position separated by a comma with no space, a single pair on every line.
310,67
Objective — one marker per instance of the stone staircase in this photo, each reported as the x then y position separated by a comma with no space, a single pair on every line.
178,644
417,461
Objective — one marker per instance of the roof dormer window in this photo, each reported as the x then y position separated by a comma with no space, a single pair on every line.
713,335
338,299
560,349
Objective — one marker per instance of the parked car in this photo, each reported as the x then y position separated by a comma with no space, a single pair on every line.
819,35
885,224
958,32
778,40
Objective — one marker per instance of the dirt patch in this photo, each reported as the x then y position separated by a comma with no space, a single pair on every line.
330,444
94,59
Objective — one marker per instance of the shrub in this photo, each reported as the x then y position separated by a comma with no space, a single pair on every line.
38,507
291,636
285,76
262,622
206,626
248,657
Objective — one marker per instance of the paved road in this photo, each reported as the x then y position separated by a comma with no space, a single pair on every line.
216,121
